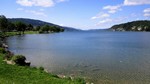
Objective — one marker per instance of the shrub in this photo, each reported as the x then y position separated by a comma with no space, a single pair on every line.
19,60
2,50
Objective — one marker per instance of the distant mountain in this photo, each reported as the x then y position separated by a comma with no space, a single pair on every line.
39,23
141,25
97,30
30,21
71,29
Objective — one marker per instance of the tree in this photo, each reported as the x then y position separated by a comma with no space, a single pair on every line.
56,29
3,23
11,26
45,28
38,28
29,27
20,26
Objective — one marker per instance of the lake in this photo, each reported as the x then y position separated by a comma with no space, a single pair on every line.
99,57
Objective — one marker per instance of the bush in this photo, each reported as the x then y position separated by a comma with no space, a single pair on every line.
19,60
2,50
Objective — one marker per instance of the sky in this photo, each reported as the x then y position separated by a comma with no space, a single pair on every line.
81,14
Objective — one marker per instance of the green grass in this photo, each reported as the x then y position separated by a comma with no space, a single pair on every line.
13,74
26,32
15,33
31,32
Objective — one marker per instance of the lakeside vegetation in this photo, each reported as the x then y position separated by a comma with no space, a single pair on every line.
8,28
7,34
142,25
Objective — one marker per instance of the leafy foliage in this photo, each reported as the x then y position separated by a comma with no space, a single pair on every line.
3,23
20,26
19,59
47,29
29,27
2,50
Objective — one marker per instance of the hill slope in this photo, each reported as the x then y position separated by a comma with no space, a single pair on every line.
39,23
71,29
30,21
141,25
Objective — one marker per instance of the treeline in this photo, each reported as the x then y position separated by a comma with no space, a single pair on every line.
20,27
48,29
143,25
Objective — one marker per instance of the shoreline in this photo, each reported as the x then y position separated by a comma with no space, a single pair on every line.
9,62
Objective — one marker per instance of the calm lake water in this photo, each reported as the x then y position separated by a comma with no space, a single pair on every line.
100,57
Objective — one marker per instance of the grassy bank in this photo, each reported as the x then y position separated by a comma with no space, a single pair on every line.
13,74
15,33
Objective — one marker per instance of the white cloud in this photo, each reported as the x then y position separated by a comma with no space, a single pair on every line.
36,13
105,21
100,16
111,21
42,3
147,12
136,2
112,9
24,2
39,13
62,25
61,0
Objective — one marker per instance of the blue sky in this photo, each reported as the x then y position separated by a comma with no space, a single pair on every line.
81,14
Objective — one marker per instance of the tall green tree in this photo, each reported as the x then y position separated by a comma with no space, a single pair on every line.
29,27
45,28
3,23
11,26
20,27
38,28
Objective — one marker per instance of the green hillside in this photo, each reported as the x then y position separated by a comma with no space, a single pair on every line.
142,25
